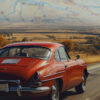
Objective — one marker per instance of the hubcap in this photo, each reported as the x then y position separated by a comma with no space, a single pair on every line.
55,92
84,83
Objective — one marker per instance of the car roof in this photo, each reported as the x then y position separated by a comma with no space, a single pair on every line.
49,45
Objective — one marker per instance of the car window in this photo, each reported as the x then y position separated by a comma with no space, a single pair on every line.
4,53
57,58
36,52
26,51
14,51
62,53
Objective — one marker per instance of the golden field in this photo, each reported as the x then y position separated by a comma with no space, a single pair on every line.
58,37
46,37
89,59
92,59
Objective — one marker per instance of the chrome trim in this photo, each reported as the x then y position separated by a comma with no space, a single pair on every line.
28,89
10,61
53,74
19,89
52,79
11,81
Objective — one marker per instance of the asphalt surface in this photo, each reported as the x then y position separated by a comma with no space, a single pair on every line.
92,88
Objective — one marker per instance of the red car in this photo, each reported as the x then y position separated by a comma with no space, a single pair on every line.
40,69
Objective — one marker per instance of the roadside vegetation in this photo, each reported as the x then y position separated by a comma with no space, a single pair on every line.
89,51
87,46
3,41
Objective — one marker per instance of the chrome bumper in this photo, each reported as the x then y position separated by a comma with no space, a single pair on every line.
19,89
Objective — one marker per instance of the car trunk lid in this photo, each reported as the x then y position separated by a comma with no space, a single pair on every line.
16,66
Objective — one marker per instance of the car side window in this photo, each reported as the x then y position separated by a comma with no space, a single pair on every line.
57,58
4,53
62,53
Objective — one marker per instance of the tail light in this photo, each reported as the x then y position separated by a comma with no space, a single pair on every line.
36,77
35,80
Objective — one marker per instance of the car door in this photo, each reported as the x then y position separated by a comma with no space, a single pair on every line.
60,67
75,72
72,68
65,60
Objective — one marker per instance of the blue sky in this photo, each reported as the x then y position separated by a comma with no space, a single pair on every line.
69,12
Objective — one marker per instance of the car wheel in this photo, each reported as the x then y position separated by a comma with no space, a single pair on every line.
55,92
81,87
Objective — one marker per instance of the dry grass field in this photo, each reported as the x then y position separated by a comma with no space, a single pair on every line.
58,37
89,59
92,58
55,37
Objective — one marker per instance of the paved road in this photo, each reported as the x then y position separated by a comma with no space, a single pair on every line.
92,92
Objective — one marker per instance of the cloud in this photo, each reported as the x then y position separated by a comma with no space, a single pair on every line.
50,11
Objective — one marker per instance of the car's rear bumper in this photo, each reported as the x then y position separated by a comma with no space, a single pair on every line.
19,89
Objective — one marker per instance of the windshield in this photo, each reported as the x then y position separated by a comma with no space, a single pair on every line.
26,51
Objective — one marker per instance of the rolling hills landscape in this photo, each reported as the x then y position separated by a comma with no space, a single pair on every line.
86,40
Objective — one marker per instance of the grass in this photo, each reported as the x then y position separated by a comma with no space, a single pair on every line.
89,59
59,38
92,59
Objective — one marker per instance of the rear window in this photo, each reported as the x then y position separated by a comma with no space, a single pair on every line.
26,51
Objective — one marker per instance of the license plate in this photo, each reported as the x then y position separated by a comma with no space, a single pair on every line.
4,88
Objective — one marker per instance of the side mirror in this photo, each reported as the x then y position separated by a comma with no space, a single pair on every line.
78,57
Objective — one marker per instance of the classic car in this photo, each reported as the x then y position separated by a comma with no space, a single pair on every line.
40,69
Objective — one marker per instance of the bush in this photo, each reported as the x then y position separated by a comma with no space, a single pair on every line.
51,37
24,39
3,41
86,48
68,44
92,50
89,37
89,41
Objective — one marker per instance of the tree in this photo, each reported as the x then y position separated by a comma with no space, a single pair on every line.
24,39
51,37
68,44
3,41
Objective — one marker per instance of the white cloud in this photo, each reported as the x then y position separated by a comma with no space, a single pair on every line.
45,10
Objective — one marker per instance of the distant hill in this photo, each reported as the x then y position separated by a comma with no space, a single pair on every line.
31,28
